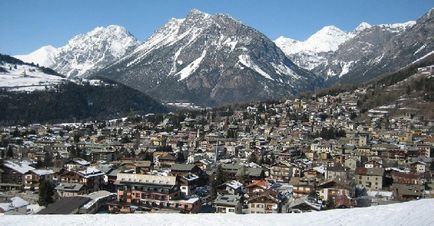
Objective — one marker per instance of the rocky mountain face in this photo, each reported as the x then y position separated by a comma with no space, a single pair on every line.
364,53
85,53
364,56
210,60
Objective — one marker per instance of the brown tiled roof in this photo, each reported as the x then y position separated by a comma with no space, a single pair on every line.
369,171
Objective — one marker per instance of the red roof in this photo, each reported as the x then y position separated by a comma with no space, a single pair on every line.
258,183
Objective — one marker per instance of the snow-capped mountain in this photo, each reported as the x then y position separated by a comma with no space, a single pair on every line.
16,75
313,51
210,59
336,54
378,49
85,53
327,39
44,56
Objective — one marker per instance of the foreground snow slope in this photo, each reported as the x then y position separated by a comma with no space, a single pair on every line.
411,213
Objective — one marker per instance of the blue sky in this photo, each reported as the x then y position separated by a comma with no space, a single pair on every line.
26,25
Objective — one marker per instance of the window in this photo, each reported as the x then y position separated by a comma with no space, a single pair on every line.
231,210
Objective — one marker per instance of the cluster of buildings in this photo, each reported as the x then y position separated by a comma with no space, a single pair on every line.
294,156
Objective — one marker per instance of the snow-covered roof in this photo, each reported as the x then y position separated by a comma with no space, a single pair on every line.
95,196
22,167
191,200
16,202
81,162
42,172
90,172
234,184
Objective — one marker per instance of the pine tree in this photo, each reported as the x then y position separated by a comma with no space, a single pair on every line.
48,159
253,158
272,158
10,152
216,180
243,177
42,193
46,193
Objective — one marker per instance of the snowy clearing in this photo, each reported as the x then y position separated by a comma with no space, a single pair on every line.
411,213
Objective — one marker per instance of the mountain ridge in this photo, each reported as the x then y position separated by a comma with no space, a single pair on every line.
207,58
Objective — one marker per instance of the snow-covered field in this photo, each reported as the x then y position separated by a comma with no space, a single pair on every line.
418,213
26,78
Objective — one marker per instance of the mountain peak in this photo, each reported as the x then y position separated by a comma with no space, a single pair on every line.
329,30
282,39
196,12
361,27
43,56
209,59
325,40
93,50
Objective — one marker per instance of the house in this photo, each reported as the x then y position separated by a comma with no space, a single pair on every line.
232,187
418,167
257,186
91,177
102,154
280,172
302,186
340,197
230,170
76,163
70,189
185,169
228,204
188,183
406,192
250,173
264,202
140,167
338,172
302,204
370,178
374,164
150,191
407,178
33,177
164,159
13,173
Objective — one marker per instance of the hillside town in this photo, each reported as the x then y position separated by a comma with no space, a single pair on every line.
303,154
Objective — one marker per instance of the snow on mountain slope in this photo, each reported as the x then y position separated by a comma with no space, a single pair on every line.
325,40
22,77
310,53
85,53
361,27
43,56
206,59
287,44
418,213
319,47
94,50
